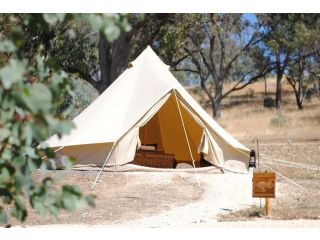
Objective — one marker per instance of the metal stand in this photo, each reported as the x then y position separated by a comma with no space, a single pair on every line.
255,139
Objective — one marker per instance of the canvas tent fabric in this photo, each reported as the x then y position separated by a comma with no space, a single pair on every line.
142,105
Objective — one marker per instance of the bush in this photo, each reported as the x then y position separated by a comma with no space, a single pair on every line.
310,92
250,92
242,215
280,120
268,102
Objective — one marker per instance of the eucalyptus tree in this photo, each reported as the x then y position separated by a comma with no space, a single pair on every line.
219,48
288,40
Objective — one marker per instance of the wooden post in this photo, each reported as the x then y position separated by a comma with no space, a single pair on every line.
265,87
268,206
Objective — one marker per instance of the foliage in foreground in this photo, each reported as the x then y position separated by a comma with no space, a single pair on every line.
32,89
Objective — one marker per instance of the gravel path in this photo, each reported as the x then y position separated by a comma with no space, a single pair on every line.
222,193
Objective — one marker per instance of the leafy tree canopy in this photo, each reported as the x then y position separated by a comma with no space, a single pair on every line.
32,88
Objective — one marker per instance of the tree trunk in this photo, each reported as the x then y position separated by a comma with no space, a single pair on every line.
265,87
298,99
300,94
217,99
278,89
216,106
113,58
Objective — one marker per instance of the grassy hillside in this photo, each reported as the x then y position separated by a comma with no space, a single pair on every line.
245,117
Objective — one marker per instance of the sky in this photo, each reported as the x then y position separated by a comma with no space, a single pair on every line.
250,16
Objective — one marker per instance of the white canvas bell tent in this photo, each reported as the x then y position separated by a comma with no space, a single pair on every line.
147,104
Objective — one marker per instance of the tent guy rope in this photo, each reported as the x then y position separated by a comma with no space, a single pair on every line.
292,163
288,179
288,165
185,133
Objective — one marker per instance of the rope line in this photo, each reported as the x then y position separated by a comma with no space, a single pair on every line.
288,179
290,162
185,132
288,165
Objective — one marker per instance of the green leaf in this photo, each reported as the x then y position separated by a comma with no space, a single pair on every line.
34,164
91,200
72,189
4,175
37,97
68,201
52,164
111,32
37,203
6,154
19,201
53,18
3,216
80,203
19,209
5,194
66,162
95,21
54,210
4,133
60,126
27,134
31,152
7,46
12,73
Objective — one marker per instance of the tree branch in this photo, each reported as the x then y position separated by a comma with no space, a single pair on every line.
253,79
186,70
175,63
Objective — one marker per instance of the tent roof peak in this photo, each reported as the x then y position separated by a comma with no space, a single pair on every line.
148,55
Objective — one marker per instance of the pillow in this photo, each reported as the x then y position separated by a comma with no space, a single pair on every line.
148,148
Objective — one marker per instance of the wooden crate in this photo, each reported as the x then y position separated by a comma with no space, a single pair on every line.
156,159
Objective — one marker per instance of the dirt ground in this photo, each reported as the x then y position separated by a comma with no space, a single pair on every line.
151,199
176,200
121,197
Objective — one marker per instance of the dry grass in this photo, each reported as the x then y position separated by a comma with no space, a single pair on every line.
244,116
289,134
291,203
253,212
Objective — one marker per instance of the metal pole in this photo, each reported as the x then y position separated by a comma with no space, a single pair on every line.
103,166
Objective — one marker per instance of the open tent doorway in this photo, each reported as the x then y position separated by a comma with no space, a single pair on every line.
171,131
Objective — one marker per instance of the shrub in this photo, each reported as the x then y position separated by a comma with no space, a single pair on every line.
250,92
310,92
280,120
268,102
